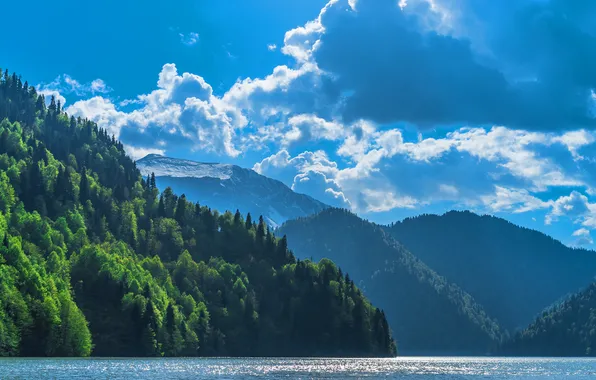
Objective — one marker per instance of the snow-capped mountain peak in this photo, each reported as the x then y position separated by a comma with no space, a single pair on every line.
230,187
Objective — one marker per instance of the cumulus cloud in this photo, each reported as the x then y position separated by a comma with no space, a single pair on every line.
182,111
336,123
498,170
311,173
285,92
100,110
521,64
576,207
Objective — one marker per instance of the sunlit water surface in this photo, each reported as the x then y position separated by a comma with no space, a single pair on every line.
294,368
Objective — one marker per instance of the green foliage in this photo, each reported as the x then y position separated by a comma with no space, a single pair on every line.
94,260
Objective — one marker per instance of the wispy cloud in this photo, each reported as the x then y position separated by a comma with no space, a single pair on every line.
67,85
189,39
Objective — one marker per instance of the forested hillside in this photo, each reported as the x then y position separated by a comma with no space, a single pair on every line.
568,329
94,260
429,315
514,272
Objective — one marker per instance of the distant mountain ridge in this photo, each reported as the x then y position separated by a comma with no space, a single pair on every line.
427,313
514,272
230,187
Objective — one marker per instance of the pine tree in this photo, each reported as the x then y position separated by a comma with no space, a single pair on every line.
161,208
84,190
261,230
248,222
237,218
52,106
181,210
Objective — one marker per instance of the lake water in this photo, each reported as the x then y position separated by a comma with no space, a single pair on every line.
397,368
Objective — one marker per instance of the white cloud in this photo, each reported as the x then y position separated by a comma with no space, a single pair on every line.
575,207
100,110
182,107
581,232
385,200
448,190
309,172
575,140
584,237
189,39
512,200
99,86
510,149
272,47
47,93
311,128
65,84
368,165
284,92
136,153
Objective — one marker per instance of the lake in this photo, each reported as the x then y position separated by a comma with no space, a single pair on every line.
296,368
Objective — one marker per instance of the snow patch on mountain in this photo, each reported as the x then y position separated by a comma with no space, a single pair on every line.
230,187
173,167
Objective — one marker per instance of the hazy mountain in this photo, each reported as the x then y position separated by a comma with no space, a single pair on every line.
513,272
568,329
230,187
428,314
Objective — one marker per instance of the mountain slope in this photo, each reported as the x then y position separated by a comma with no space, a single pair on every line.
568,329
428,314
93,260
513,272
230,187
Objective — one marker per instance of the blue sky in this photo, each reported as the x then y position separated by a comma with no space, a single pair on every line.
389,108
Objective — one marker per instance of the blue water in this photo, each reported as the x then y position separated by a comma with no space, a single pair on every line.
398,368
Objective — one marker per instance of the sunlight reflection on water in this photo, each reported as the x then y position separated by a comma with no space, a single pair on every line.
297,368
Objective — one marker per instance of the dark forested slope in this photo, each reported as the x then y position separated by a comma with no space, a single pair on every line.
428,314
94,260
513,272
568,329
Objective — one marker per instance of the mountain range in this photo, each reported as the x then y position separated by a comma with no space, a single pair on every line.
230,187
457,283
514,272
429,314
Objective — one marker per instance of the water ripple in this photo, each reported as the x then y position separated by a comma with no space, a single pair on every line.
438,368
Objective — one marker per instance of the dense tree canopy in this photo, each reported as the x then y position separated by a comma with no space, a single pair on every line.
94,260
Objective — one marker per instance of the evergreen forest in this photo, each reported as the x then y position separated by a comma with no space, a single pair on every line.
95,260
